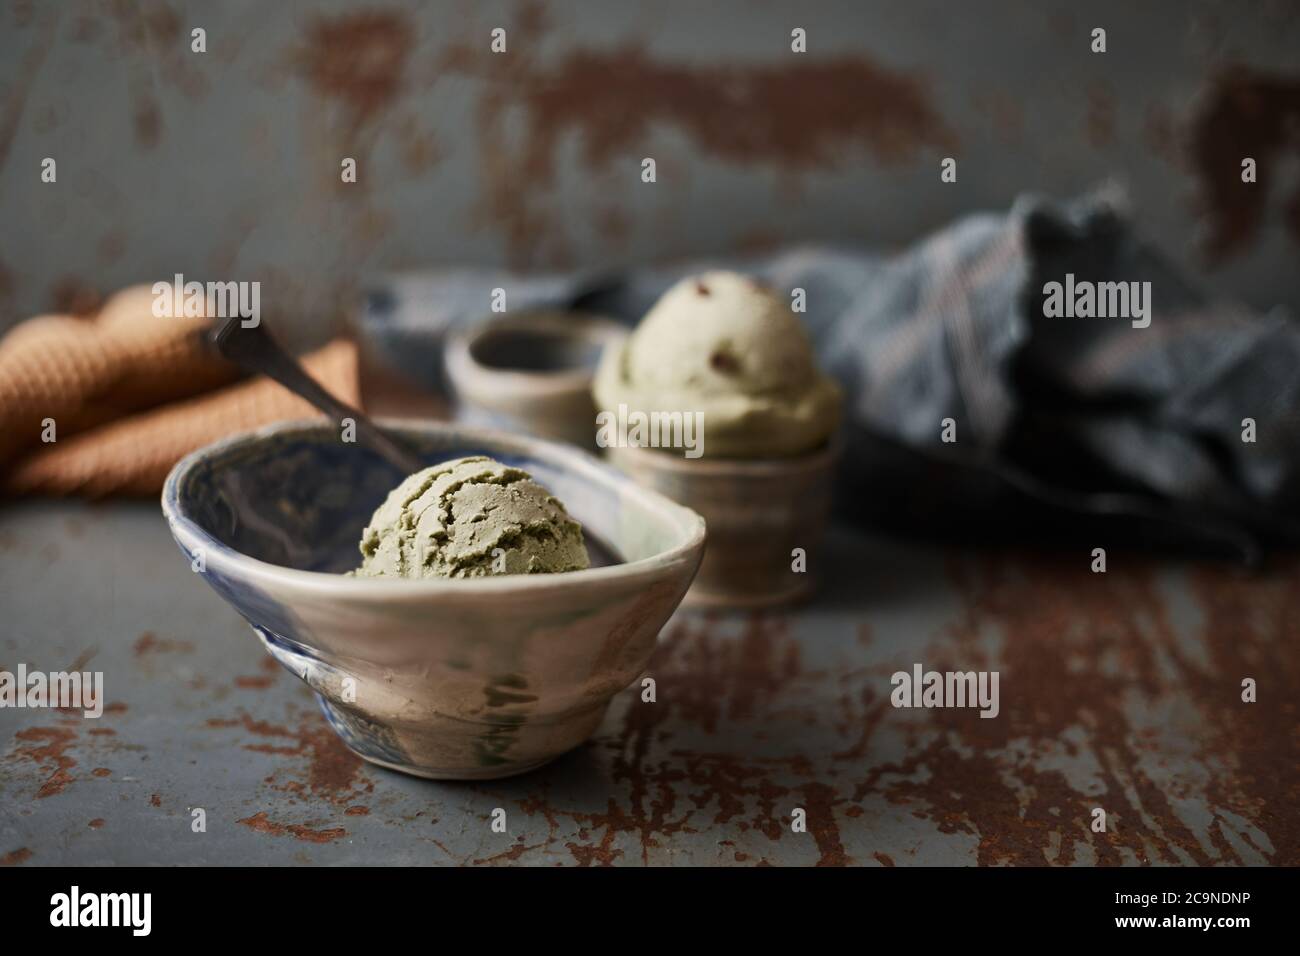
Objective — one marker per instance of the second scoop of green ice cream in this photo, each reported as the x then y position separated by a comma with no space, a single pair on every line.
470,517
726,348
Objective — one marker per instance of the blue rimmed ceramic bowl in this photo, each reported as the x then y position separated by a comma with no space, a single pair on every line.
457,679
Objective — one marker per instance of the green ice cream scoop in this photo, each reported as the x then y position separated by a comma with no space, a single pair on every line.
728,349
470,517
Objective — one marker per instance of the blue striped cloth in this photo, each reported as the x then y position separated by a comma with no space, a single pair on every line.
1066,428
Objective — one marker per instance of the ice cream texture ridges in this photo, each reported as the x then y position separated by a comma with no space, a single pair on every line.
470,517
728,347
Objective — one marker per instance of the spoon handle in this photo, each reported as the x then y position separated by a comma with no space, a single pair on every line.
254,350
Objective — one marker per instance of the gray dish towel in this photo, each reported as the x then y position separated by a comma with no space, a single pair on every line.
1078,429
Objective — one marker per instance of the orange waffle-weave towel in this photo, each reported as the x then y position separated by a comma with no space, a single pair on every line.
123,390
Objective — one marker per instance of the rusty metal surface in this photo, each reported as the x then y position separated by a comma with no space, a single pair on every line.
225,165
1119,691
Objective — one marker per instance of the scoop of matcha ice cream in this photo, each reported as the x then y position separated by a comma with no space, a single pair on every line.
470,517
724,345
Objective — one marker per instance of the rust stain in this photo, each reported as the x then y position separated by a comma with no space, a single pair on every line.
797,117
146,120
1160,133
23,12
718,680
332,769
102,772
73,296
86,29
754,241
419,148
257,682
1003,112
146,28
11,113
56,784
15,857
512,854
820,800
1060,624
1246,112
1076,649
612,224
1063,26
96,823
357,811
733,785
357,59
263,728
1251,629
794,116
151,42
48,750
532,19
150,643
712,683
734,742
272,749
603,854
863,716
7,284
82,659
263,824
704,680
155,800
1100,122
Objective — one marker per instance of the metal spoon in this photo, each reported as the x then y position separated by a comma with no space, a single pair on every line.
253,349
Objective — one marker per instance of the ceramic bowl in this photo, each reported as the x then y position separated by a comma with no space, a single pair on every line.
758,513
460,679
531,372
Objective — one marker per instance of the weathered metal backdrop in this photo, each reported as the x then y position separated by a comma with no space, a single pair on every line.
226,164
1117,690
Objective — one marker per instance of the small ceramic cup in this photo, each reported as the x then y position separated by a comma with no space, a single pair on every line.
456,679
766,519
531,372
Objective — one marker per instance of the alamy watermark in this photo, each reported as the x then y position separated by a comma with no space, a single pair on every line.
60,690
1102,300
922,688
218,300
638,429
75,908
